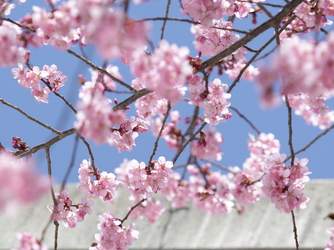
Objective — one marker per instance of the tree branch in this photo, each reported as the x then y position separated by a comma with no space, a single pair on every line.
251,35
30,117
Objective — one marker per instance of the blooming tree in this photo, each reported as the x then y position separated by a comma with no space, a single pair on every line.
163,78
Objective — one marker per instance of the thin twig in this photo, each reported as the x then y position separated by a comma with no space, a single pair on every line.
265,55
295,229
48,160
75,147
131,209
251,35
18,24
90,152
56,235
246,119
160,133
103,71
30,117
192,125
188,21
313,141
44,229
54,92
165,21
250,49
290,130
122,105
258,52
187,142
265,10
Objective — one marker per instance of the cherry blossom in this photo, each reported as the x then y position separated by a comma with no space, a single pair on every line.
113,235
11,54
208,145
284,185
211,40
104,186
29,242
167,64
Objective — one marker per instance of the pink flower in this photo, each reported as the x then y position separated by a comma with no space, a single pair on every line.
41,93
168,64
29,242
284,186
113,235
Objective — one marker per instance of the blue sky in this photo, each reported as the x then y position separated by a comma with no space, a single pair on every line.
235,131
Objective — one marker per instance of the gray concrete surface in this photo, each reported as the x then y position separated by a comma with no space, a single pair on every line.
260,227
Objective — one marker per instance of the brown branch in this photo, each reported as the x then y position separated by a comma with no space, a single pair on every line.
160,133
290,130
251,35
250,49
295,229
192,125
45,145
132,99
56,235
165,21
30,117
48,160
131,209
90,152
18,24
187,142
258,52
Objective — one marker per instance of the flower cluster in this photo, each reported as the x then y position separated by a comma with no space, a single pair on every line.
29,242
211,40
69,213
265,144
168,65
53,78
144,180
294,62
314,13
313,110
204,11
284,185
124,137
11,53
208,145
214,100
20,184
84,20
103,187
213,193
248,187
113,235
96,117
